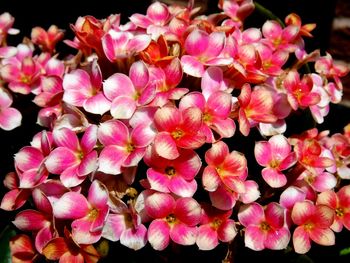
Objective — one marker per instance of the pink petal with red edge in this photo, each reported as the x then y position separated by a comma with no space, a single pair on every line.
71,205
192,66
134,238
158,13
290,33
324,237
273,177
10,119
167,118
100,219
188,211
118,85
66,138
271,30
19,87
97,104
324,215
138,43
111,158
139,74
188,165
61,159
328,198
277,239
113,132
207,238
183,234
43,237
142,135
274,215
301,240
181,187
14,199
302,211
88,164
225,128
227,231
210,179
123,107
158,181
344,195
211,81
244,125
216,155
98,195
28,158
158,234
81,232
165,146
114,227
192,117
223,199
159,205
108,46
147,94
30,220
290,196
29,66
197,42
41,201
251,214
289,161
191,141
173,72
33,177
254,238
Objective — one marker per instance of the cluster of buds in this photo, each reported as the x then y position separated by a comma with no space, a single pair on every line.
138,128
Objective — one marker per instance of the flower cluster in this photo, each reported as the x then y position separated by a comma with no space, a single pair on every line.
136,144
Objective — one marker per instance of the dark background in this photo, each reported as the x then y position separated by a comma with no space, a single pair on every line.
29,14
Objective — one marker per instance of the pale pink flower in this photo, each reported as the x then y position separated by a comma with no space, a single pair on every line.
340,203
6,23
73,160
177,129
276,156
313,223
237,10
203,49
264,226
82,89
10,118
215,226
129,93
176,176
174,220
123,147
88,214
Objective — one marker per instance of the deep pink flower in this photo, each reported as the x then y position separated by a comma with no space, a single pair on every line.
6,23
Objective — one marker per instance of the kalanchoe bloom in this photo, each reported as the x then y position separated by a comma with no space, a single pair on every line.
264,227
313,223
88,214
177,129
123,146
173,219
22,249
340,203
47,40
227,167
129,93
83,89
276,156
176,176
203,49
215,226
237,10
6,22
65,249
73,160
10,118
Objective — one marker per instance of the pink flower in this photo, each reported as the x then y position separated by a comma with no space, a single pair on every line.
215,226
275,154
47,40
22,249
176,176
73,160
6,23
173,219
264,227
340,203
177,129
88,215
10,118
313,223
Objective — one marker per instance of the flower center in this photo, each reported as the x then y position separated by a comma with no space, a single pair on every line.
171,219
216,223
130,147
308,226
177,134
170,171
93,214
207,117
339,212
265,226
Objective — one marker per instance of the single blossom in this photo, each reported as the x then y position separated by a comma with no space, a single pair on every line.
10,118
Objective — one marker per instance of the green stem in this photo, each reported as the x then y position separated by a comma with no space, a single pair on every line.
266,12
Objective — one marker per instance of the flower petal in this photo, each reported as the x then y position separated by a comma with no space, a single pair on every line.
207,238
30,220
273,177
165,146
254,238
188,211
158,234
181,187
71,205
301,240
61,159
134,238
111,159
10,118
192,66
277,239
183,234
159,205
251,214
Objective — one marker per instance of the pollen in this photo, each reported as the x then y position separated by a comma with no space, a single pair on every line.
25,79
207,117
177,134
265,226
130,147
339,212
216,223
93,214
169,170
171,219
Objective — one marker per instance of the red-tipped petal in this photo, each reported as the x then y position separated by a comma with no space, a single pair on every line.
159,205
251,214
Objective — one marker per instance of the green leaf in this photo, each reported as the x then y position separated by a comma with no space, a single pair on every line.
5,236
344,251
